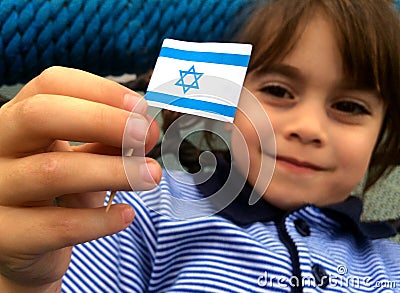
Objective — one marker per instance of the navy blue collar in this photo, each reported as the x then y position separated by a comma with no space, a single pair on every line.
241,213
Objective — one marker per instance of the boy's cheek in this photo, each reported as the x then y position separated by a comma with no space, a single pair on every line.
355,151
352,166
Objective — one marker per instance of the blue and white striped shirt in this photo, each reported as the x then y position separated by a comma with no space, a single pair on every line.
307,250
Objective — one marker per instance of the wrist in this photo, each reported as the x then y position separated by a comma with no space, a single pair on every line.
10,286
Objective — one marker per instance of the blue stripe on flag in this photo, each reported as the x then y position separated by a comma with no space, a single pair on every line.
208,57
182,102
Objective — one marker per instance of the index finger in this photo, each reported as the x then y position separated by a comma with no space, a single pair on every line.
80,84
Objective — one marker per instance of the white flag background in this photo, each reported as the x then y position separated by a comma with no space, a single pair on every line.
203,79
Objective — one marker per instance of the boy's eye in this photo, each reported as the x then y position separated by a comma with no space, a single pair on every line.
350,107
277,91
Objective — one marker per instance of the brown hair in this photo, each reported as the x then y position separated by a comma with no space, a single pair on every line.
368,35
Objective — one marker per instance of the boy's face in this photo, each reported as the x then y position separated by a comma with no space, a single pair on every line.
325,128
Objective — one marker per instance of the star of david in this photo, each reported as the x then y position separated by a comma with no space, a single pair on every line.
191,83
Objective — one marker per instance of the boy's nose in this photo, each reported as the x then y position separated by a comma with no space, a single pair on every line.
307,125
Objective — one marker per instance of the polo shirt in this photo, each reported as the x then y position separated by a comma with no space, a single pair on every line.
242,248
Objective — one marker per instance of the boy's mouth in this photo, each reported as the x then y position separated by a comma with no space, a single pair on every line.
295,163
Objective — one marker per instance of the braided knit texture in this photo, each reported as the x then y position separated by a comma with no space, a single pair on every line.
107,37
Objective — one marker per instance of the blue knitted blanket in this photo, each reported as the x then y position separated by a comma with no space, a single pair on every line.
107,37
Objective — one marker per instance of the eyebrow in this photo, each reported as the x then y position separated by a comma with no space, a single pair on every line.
285,70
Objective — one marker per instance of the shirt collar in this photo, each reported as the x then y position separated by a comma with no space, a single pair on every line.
241,213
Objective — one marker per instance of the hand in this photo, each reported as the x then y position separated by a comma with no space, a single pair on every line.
38,167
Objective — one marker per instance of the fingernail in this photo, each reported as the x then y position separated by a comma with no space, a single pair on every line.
135,104
149,171
129,101
127,215
141,107
138,128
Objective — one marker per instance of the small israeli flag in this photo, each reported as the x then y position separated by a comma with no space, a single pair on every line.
203,79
